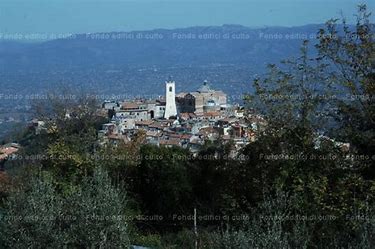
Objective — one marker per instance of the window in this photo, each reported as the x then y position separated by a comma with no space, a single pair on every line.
170,89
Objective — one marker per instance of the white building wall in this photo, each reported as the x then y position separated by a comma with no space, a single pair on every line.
159,111
136,115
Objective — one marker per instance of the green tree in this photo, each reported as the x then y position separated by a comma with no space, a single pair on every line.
99,214
351,52
291,155
273,225
68,137
163,185
39,216
29,218
211,172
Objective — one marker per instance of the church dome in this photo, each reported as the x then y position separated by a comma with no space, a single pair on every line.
205,88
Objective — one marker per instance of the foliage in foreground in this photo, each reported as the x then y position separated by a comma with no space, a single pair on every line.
90,216
275,225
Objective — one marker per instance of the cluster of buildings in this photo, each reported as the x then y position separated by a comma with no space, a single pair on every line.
186,119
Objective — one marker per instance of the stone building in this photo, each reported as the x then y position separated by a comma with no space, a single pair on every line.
205,99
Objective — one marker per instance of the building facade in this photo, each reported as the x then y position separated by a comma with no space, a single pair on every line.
205,99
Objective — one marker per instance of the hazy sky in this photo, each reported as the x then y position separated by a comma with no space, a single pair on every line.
81,16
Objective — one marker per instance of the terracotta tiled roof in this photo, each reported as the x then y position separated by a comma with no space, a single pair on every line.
187,115
212,114
129,105
207,130
144,122
167,121
157,125
180,136
186,136
7,151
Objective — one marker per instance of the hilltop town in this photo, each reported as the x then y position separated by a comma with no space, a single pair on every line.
185,119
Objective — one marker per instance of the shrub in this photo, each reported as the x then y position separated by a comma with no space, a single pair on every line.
90,216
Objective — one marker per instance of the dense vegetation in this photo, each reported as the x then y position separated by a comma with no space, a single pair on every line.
291,188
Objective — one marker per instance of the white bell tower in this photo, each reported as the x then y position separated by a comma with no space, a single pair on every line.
170,99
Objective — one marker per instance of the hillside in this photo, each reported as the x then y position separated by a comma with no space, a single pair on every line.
227,44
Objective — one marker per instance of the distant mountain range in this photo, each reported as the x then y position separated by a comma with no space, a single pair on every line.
136,64
194,46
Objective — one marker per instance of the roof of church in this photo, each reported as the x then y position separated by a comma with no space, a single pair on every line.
205,88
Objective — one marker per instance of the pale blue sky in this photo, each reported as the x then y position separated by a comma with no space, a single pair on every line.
81,16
